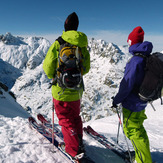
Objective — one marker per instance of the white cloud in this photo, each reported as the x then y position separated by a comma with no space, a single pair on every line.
52,37
157,41
116,37
120,38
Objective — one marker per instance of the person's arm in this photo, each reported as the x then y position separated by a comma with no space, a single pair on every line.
127,83
86,60
51,60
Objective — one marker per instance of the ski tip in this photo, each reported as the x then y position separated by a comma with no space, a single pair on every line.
31,119
84,159
89,127
41,118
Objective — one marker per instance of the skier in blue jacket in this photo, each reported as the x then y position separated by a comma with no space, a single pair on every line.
133,107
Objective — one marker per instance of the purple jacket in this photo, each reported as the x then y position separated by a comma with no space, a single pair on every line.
133,77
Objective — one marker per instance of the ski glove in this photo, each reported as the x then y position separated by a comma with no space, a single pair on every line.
113,103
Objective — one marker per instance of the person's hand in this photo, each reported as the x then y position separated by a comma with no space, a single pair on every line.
113,103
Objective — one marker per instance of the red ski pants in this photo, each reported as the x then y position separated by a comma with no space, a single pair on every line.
70,120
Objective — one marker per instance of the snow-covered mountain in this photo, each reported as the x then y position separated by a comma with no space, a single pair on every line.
32,87
23,53
9,73
21,70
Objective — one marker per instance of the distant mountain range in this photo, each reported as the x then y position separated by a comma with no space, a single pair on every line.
21,70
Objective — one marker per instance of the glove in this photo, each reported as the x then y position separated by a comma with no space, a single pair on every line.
113,103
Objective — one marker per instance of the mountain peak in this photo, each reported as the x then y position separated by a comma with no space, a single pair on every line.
9,39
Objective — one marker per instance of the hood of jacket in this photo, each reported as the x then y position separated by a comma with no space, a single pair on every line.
75,38
144,48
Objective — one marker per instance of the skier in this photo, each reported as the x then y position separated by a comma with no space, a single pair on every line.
133,107
67,103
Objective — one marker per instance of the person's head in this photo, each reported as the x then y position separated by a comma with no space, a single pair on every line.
72,22
136,36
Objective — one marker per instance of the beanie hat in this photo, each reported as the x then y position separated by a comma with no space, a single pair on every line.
71,22
136,36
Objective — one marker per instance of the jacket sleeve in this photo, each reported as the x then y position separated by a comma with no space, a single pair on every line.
86,61
51,60
127,83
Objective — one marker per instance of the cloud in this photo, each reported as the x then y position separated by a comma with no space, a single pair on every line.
51,37
157,41
111,36
120,38
116,37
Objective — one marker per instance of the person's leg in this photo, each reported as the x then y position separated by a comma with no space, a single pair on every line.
69,119
135,131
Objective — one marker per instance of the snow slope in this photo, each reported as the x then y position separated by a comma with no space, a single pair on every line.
20,144
21,70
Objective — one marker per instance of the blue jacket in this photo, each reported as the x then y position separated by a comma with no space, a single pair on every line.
133,77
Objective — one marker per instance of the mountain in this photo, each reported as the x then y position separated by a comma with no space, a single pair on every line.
9,73
22,73
23,53
32,87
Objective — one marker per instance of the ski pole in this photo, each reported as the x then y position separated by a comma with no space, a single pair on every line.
120,123
152,106
118,130
52,122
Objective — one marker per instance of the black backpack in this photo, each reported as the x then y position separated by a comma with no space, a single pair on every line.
69,70
152,84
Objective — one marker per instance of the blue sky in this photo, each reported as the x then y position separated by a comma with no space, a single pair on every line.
111,20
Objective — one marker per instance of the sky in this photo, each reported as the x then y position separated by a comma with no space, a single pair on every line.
110,20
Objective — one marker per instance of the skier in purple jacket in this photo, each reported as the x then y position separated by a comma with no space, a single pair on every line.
133,107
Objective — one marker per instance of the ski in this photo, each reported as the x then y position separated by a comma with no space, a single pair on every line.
58,134
46,134
90,129
47,124
103,140
40,129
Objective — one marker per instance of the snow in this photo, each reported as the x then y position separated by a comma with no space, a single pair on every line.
21,70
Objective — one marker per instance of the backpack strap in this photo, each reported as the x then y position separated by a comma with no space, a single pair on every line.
60,40
136,88
141,55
